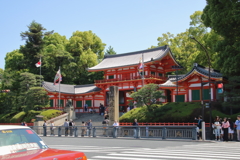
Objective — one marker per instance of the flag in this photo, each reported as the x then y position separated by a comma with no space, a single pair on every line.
58,77
39,63
140,66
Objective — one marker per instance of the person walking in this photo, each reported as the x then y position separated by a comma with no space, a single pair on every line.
237,123
135,123
199,125
89,127
86,107
230,129
217,127
83,128
225,126
115,128
52,128
71,127
105,123
44,128
66,125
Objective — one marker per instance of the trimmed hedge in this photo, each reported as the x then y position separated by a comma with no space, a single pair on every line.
18,117
50,113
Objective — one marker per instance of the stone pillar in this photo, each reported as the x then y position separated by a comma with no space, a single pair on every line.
38,124
113,104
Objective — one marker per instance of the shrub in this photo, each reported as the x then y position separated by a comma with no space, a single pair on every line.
18,117
50,113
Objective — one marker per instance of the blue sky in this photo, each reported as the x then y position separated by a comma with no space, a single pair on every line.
126,25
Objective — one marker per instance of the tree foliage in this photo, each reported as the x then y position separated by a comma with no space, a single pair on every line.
36,99
86,48
224,18
187,51
32,50
148,95
231,94
110,51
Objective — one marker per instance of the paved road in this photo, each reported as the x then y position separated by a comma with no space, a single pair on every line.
132,149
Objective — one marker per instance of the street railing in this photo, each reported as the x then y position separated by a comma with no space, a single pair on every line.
161,132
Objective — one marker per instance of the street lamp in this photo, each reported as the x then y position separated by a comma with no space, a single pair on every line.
177,68
209,80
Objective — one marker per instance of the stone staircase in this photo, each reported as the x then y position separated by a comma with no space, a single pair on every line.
95,117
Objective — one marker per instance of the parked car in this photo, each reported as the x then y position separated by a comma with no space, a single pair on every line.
22,143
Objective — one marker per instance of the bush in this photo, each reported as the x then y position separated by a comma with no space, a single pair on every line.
31,114
168,112
18,117
50,113
5,118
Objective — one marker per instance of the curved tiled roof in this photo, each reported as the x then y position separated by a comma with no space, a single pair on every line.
202,70
132,58
70,89
196,68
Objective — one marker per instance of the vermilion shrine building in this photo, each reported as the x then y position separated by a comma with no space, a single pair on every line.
122,70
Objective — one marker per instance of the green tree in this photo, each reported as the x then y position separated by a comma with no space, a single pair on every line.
110,51
187,51
32,50
36,99
14,60
86,49
224,18
232,94
1,77
55,55
148,95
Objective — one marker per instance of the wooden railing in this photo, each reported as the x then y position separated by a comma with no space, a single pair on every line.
131,78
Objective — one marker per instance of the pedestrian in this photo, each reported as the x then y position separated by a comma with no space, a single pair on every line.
85,107
44,128
25,124
22,124
128,108
225,126
66,125
101,109
115,128
71,127
52,128
89,127
105,116
230,129
105,123
199,125
83,128
237,123
217,127
135,123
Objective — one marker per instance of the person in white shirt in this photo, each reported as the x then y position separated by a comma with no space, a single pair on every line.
52,128
115,127
128,109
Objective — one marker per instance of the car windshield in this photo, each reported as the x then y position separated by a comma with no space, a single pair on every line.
19,140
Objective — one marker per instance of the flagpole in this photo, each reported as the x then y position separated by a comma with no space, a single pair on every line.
142,70
59,88
40,71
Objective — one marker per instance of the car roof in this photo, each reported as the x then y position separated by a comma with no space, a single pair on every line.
4,127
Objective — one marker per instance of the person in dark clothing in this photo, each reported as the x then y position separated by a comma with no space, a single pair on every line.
199,125
135,123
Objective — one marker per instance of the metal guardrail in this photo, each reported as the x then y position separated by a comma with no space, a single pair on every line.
161,132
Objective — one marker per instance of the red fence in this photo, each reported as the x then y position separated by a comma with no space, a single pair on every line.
163,124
